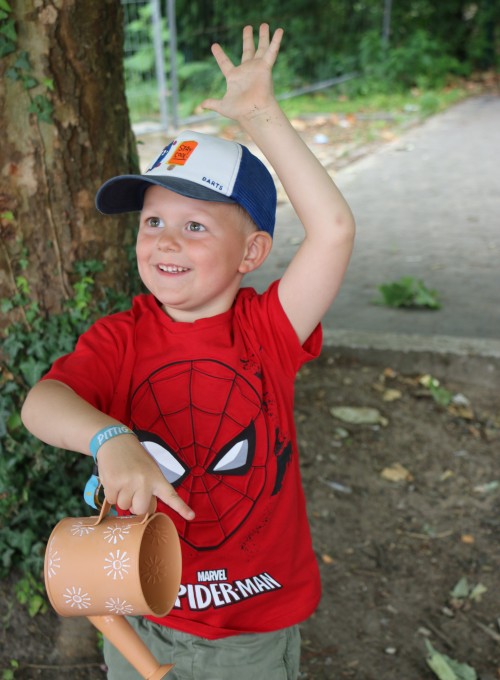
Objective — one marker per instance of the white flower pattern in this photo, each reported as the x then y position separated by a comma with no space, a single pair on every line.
117,606
53,562
113,534
117,564
81,529
76,598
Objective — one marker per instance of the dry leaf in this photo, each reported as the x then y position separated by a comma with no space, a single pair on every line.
468,539
391,395
397,473
464,412
327,559
359,415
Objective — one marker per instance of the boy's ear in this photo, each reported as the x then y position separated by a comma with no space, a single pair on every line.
259,246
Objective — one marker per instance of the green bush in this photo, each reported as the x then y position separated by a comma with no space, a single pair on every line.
420,61
38,484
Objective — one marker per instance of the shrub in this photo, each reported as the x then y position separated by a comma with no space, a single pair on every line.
38,484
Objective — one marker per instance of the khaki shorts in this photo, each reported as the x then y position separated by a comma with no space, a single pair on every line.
263,656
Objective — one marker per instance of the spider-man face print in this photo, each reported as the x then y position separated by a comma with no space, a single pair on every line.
203,423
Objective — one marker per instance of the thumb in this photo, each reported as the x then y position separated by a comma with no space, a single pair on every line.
211,105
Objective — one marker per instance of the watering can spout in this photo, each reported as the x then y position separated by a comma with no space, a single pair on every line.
121,634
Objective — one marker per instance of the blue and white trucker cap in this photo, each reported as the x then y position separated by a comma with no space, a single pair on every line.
203,167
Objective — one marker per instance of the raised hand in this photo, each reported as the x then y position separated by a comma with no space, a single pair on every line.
249,85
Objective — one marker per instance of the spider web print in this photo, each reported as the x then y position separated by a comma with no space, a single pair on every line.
202,409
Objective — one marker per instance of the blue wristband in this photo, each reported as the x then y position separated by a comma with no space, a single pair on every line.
105,434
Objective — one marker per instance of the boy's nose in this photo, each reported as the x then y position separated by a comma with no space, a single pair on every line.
168,240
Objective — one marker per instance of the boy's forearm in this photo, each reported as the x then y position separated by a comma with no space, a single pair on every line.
313,194
54,413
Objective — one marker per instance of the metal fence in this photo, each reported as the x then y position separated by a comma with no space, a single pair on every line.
152,85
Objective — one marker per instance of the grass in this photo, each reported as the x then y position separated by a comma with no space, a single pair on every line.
399,105
399,108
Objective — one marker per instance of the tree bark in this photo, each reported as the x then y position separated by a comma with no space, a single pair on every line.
65,129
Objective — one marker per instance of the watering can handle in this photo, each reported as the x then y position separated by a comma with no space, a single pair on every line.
106,508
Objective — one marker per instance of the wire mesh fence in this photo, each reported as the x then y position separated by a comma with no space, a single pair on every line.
152,65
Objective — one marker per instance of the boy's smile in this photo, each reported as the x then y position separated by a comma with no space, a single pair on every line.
190,253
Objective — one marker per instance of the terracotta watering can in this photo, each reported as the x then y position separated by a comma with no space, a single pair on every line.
107,567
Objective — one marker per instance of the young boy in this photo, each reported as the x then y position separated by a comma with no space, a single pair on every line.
197,379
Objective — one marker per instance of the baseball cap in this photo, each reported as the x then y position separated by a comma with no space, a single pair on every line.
203,167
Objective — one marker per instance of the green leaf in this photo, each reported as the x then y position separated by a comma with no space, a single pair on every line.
42,108
446,668
408,292
29,83
5,6
23,61
6,46
8,29
461,589
32,370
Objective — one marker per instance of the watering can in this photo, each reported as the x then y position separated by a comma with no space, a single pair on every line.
105,567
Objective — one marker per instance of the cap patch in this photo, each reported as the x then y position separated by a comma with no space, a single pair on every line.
182,152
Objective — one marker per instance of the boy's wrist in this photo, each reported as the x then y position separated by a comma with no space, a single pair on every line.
270,113
104,435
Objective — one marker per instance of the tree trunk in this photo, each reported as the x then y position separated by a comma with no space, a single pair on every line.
65,129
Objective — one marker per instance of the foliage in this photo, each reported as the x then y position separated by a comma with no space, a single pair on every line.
408,292
21,69
9,673
440,394
446,668
38,484
194,76
427,44
420,61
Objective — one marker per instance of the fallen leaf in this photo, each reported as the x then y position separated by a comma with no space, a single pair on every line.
397,473
468,539
446,668
327,559
391,395
488,487
461,589
390,372
359,415
464,412
477,592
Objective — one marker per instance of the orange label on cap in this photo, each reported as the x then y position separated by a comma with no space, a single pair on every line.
182,152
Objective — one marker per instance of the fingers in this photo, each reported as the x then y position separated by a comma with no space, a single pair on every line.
171,498
141,501
267,49
274,47
224,63
248,51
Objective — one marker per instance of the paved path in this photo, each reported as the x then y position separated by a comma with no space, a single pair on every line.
426,206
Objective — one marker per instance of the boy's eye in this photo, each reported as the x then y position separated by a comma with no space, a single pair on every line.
195,226
154,222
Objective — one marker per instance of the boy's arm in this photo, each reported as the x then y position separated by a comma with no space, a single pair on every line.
313,278
54,413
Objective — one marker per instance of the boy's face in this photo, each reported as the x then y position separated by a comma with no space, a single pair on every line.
191,254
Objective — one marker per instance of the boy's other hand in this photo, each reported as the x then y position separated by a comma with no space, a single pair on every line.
130,478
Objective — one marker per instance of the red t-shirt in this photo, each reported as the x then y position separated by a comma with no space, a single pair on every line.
212,401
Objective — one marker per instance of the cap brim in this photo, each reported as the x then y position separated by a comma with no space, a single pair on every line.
125,193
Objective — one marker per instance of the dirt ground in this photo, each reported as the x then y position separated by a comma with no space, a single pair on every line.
401,510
